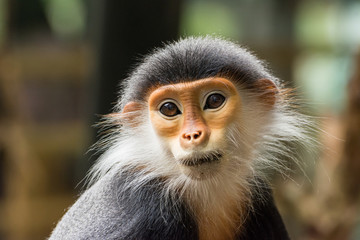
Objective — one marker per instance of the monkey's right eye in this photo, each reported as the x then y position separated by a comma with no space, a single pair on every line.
169,109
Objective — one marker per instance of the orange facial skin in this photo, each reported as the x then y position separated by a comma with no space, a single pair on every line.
194,126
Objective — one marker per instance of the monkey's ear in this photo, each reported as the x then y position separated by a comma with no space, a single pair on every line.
268,91
131,113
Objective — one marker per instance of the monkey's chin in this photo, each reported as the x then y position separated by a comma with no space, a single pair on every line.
201,166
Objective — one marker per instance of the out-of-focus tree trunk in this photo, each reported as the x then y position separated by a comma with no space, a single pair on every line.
124,31
351,157
348,191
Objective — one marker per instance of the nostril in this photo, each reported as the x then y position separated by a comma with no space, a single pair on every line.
193,139
196,135
192,136
187,136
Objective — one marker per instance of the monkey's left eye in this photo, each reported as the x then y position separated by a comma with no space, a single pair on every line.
169,109
214,101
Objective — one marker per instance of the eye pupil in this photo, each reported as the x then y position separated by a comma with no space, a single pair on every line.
169,109
214,101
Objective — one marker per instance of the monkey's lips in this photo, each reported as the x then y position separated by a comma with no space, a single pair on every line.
200,166
201,159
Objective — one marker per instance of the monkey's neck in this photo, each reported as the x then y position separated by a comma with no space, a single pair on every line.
219,211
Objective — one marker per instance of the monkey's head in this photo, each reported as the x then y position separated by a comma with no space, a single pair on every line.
201,119
208,102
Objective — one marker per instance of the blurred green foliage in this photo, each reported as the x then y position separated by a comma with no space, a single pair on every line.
66,17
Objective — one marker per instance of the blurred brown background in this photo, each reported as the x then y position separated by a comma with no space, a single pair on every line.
61,62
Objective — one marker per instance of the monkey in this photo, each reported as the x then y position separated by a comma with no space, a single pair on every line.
198,123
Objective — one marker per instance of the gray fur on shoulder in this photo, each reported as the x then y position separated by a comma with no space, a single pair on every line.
97,214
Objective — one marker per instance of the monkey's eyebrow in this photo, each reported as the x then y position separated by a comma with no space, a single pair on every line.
223,83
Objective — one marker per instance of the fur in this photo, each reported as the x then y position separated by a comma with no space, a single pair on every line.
225,205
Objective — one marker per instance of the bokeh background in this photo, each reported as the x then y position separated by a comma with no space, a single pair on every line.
61,62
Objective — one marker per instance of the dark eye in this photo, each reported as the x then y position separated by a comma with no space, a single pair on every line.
169,109
214,101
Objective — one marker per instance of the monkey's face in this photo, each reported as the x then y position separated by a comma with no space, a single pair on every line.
191,119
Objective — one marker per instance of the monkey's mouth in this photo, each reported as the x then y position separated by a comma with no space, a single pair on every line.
198,160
